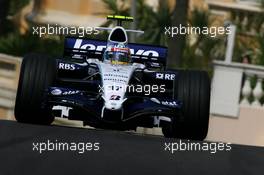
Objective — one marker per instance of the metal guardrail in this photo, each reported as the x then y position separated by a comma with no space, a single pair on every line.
9,74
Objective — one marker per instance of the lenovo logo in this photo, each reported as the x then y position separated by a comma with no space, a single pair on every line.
140,52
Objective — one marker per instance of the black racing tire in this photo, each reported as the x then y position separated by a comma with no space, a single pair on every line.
193,89
38,72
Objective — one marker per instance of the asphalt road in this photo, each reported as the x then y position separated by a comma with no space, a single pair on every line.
24,150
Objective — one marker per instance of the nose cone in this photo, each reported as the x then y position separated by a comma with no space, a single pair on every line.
113,105
113,94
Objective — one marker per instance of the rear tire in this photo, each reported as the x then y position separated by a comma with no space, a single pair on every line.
37,73
193,89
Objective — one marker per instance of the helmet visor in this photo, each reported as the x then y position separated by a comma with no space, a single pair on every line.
118,56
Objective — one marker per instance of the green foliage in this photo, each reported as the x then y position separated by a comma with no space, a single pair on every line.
199,18
16,5
115,9
153,22
262,3
260,55
19,45
201,49
247,42
150,20
261,41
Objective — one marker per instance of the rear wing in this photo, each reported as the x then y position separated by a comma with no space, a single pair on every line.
154,56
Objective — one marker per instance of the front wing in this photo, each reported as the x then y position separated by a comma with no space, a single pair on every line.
84,106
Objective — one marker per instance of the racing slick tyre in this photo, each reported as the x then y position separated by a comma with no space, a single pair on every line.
192,88
37,73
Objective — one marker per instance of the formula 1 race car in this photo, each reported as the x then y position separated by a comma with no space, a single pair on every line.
114,84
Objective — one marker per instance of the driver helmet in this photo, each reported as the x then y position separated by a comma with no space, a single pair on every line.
117,53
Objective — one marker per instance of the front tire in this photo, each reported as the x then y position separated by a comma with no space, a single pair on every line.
37,74
192,88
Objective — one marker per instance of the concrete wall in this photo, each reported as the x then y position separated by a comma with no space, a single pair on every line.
3,113
247,129
8,84
77,6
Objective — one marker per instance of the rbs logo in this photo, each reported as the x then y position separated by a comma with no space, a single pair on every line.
165,76
66,66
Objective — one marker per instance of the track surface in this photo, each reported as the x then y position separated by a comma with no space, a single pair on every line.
119,153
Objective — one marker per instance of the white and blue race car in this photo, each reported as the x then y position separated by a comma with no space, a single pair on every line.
114,84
